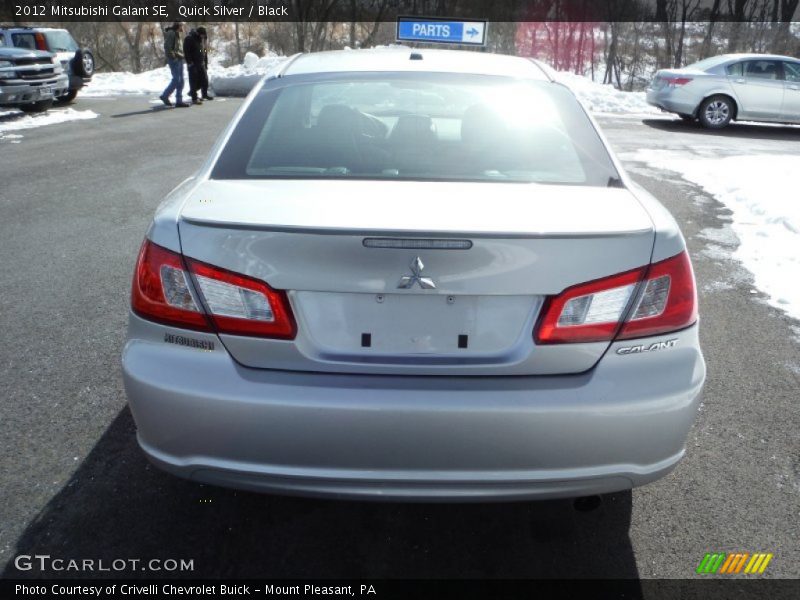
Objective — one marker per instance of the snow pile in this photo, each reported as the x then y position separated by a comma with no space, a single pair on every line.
51,117
766,214
240,79
600,98
225,81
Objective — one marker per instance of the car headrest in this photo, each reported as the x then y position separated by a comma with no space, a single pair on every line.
480,124
417,130
337,117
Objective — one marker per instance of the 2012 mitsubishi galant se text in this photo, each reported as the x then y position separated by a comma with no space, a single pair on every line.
413,274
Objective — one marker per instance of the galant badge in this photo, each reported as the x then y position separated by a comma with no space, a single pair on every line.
408,281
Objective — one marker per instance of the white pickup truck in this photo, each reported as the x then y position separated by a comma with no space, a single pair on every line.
31,79
77,62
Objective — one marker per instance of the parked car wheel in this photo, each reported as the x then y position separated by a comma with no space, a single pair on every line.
40,106
68,97
716,112
84,63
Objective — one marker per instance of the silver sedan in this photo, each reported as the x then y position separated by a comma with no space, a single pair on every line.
744,87
413,274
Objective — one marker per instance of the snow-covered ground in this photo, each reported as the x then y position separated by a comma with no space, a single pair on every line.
240,79
759,190
13,121
600,98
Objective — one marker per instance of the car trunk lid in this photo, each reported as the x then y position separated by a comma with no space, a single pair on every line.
662,76
356,259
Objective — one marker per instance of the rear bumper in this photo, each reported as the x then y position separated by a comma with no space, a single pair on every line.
204,417
675,100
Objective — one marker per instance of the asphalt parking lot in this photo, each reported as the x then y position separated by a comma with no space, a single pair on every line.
75,201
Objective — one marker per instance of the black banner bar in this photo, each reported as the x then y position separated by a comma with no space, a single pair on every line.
48,11
583,589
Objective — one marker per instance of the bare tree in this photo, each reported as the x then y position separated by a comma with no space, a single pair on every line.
133,38
238,41
688,8
363,32
782,41
613,68
736,10
311,22
713,16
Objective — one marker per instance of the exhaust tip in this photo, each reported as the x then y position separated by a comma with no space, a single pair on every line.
587,503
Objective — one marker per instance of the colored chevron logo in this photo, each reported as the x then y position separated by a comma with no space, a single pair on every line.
734,562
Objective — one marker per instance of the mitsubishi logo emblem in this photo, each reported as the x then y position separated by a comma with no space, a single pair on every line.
408,281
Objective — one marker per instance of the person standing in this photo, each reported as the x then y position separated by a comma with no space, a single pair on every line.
173,50
204,82
194,52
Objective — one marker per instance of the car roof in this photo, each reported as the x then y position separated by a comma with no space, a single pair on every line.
755,56
399,58
31,28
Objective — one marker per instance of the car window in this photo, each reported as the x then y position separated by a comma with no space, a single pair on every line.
23,40
791,71
420,127
761,69
734,70
60,41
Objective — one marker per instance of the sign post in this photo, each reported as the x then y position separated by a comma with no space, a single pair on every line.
442,31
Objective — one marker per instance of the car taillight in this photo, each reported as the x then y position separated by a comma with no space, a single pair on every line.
668,301
241,305
588,312
676,81
656,299
225,302
161,290
41,43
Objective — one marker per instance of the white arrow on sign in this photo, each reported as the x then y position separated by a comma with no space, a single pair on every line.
472,32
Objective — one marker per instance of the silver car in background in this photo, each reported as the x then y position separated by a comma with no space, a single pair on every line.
413,274
744,87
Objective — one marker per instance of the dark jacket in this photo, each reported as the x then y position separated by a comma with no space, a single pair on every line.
193,49
172,45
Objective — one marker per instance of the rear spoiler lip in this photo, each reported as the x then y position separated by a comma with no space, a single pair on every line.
406,233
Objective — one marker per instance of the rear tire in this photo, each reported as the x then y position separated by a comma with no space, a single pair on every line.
68,97
716,112
83,63
35,107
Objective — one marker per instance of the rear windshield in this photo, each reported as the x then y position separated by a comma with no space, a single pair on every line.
416,126
708,63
